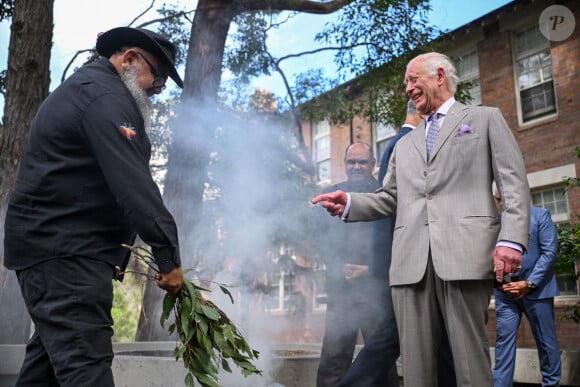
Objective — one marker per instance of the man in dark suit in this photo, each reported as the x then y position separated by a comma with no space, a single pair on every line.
448,239
347,252
531,291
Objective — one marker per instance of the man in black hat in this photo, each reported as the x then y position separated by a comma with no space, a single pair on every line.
83,189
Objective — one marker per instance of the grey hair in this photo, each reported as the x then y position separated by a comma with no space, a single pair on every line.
435,60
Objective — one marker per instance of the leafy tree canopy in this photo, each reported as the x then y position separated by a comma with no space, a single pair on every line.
6,9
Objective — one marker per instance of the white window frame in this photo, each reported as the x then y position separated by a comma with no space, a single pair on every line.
320,133
469,74
550,179
546,78
382,135
540,199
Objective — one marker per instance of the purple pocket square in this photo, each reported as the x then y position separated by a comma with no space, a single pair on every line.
463,130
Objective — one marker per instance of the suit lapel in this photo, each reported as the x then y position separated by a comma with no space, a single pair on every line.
454,116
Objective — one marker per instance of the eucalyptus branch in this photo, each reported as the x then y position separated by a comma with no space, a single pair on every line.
208,339
143,255
146,275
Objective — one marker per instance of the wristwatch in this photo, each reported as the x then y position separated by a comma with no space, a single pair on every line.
531,285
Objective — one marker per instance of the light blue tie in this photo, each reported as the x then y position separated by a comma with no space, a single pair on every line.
434,127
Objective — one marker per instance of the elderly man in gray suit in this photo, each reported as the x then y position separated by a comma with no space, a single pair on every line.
448,239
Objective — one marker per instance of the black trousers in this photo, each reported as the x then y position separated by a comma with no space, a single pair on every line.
69,301
375,365
350,308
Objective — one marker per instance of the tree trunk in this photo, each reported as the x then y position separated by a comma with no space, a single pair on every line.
189,152
27,82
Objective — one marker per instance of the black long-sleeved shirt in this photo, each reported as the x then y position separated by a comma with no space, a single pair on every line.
84,186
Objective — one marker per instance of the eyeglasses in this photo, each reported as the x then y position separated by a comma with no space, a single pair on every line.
159,79
360,162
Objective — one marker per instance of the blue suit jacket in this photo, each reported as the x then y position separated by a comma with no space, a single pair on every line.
538,261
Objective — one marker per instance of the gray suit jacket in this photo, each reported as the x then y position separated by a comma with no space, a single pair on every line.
447,203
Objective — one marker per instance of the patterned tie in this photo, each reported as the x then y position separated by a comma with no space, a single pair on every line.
433,132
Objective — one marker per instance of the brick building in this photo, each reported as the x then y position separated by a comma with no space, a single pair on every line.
534,81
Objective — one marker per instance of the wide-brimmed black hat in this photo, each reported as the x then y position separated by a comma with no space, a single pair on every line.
109,42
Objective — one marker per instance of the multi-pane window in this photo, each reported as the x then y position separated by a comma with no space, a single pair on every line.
383,133
321,147
555,201
534,74
468,71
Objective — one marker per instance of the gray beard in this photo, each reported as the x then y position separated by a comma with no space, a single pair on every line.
129,78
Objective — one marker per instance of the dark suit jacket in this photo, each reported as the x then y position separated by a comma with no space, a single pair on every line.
382,240
342,243
389,151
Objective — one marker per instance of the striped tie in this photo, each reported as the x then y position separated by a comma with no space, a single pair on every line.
434,127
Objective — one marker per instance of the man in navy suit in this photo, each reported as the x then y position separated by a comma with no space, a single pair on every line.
532,292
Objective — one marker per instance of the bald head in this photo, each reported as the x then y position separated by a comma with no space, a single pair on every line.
359,162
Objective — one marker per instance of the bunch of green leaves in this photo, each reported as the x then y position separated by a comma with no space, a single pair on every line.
208,338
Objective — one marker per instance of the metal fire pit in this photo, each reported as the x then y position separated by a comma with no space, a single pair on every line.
152,364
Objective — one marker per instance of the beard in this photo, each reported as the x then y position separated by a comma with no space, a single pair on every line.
129,78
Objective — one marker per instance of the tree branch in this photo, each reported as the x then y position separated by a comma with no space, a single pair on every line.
306,6
336,48
70,62
142,13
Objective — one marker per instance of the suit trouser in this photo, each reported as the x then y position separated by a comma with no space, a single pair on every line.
69,301
375,365
540,314
423,310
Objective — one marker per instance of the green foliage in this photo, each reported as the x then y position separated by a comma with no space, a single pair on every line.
573,181
127,298
568,257
569,251
463,93
375,32
377,38
175,27
262,101
247,56
209,340
6,9
312,84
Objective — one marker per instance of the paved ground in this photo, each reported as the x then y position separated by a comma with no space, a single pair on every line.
402,384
